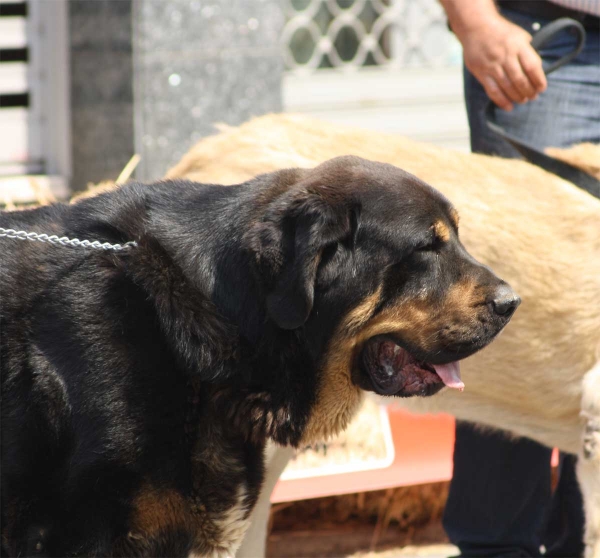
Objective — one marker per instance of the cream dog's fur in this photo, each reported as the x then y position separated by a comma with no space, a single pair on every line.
541,378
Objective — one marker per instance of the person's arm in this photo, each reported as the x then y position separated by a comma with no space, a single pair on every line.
497,52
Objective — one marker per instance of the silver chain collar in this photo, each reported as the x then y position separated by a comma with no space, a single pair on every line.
64,241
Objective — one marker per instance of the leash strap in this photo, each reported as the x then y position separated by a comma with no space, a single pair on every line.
532,154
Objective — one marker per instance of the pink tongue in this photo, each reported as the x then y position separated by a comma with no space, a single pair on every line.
450,375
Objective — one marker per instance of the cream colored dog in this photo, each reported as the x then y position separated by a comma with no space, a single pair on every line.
541,378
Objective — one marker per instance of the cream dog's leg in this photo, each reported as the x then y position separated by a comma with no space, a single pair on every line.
255,539
588,470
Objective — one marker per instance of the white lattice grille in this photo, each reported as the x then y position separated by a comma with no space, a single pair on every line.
351,34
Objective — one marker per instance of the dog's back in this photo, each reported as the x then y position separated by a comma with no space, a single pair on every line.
76,390
17,281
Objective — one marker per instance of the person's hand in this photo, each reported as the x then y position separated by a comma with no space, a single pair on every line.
499,54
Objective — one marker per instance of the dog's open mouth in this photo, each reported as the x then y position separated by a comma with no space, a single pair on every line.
395,371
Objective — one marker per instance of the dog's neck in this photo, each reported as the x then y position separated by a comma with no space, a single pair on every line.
202,284
179,229
206,248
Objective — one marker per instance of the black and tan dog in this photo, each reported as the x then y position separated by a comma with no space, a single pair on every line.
139,387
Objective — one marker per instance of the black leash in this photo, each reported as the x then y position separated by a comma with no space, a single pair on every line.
532,154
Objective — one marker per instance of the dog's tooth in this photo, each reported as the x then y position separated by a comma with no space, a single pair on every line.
389,369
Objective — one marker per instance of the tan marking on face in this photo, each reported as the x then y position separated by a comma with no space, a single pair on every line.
463,302
360,315
441,231
338,398
455,217
421,322
417,321
460,294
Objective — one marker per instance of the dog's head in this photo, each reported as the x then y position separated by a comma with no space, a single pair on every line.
365,259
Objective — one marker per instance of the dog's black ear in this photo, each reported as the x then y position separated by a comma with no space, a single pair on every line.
288,243
308,230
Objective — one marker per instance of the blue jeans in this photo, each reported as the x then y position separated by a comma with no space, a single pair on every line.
500,501
568,112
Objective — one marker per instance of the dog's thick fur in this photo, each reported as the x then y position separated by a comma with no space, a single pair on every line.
140,387
542,234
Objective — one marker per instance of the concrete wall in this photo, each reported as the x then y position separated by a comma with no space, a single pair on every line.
198,63
101,62
152,77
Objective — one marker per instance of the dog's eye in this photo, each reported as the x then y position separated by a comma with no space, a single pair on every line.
328,253
328,269
430,246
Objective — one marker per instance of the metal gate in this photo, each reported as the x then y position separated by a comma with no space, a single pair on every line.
389,65
34,96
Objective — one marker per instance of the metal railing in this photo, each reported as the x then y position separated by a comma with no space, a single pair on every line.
352,34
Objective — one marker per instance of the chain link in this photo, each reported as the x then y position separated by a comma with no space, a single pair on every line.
64,241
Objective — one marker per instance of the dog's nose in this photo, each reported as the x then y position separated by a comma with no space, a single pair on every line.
505,301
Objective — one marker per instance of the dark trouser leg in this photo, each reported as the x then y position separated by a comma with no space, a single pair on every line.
499,494
564,528
567,113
